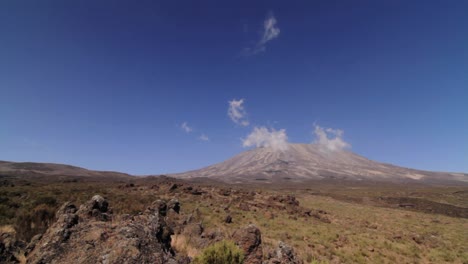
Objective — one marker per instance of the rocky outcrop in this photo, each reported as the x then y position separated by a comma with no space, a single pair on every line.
10,248
97,207
92,235
249,239
284,254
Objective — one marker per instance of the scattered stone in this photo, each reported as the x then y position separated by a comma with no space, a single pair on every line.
174,205
173,187
228,219
249,239
244,207
284,254
225,192
418,239
196,192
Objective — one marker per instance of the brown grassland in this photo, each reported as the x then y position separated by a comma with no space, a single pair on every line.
324,222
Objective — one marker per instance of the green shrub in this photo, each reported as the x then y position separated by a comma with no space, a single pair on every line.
224,252
47,200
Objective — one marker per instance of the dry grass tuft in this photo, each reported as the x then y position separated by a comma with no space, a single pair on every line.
181,244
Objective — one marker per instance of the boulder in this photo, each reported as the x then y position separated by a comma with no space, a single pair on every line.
81,236
249,239
174,205
284,254
97,207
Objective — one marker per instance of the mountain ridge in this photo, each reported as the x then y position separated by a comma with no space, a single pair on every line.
38,169
302,162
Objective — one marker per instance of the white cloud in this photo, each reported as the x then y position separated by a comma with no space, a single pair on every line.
329,138
203,137
263,137
237,112
185,127
270,32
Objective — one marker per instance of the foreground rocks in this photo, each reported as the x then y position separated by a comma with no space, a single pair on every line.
10,248
91,235
284,254
249,240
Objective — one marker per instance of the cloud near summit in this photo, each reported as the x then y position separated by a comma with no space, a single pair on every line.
264,137
329,138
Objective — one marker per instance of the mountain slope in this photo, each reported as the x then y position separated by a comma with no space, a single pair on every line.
53,170
301,162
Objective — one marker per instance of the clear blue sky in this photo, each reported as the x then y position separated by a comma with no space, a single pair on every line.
108,84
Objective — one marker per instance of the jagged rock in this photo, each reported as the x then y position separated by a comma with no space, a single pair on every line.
173,218
174,205
284,254
11,250
157,207
83,237
249,239
97,207
174,186
32,243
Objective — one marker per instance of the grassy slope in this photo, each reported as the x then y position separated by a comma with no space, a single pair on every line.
358,232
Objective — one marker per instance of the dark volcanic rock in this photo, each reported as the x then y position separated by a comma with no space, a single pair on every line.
173,187
225,192
97,207
10,249
174,205
197,192
83,237
228,219
249,239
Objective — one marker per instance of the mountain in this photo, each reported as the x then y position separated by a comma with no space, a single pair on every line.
303,162
54,171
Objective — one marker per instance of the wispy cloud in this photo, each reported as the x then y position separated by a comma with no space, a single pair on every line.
203,137
264,137
185,127
237,112
270,32
329,138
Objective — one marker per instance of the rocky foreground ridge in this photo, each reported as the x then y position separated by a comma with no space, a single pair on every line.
91,233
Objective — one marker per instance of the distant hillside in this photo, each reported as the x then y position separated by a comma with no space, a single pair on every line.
54,171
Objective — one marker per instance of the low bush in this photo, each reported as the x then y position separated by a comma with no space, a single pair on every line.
224,252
